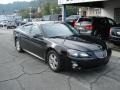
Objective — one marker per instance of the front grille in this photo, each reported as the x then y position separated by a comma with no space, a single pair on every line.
101,54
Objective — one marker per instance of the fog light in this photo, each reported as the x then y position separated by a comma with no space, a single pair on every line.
74,65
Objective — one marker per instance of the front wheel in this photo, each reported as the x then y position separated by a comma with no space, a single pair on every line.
54,61
18,46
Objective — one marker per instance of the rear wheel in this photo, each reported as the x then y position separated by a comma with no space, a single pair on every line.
18,46
54,61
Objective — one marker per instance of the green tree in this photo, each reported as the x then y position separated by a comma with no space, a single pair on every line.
46,9
56,8
72,10
24,13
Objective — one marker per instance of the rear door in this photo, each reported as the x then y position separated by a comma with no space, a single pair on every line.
25,36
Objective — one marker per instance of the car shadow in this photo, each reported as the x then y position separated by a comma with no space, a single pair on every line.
88,75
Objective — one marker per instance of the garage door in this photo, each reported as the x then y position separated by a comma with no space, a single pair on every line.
117,15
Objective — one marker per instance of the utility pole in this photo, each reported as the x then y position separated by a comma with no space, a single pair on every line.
52,11
30,13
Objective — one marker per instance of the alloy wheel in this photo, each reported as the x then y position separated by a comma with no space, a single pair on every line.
53,61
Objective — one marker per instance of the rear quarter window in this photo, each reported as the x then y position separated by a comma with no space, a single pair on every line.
100,21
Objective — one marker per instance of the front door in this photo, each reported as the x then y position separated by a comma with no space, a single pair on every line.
37,42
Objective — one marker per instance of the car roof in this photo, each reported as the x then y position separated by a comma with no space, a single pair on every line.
90,17
44,22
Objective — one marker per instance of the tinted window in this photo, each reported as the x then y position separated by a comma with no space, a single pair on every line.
53,30
35,30
100,21
27,28
111,22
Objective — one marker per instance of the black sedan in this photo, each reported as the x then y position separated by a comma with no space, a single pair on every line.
60,45
115,35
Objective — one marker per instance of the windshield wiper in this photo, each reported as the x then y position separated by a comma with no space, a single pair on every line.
57,37
65,36
72,36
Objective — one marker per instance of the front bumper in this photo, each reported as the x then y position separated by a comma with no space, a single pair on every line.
90,62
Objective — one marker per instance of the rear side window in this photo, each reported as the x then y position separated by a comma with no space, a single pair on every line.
111,22
100,21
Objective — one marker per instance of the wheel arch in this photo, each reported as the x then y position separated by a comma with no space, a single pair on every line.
48,49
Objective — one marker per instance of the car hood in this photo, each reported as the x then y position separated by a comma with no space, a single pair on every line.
78,43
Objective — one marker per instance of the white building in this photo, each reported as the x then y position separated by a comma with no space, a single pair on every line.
112,9
108,8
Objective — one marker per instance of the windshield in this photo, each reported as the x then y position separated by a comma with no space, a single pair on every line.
58,30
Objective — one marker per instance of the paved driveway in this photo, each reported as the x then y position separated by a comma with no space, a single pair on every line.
21,71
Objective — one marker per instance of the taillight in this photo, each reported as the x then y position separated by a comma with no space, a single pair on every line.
89,27
74,23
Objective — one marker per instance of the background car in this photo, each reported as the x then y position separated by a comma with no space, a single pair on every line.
72,19
115,35
11,25
60,45
95,26
55,17
3,23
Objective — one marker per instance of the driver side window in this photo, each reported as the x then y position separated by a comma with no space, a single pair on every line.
35,30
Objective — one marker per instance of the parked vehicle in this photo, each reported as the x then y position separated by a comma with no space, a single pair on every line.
11,25
46,18
95,26
3,23
115,35
60,45
72,19
55,17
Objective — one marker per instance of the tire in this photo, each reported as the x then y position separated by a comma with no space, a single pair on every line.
18,46
54,61
7,27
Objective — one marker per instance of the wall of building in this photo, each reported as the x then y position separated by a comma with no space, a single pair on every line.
75,1
109,7
90,11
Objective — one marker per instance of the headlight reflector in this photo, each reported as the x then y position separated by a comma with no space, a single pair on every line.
77,54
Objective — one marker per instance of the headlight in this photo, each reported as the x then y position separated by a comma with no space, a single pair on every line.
118,33
77,54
